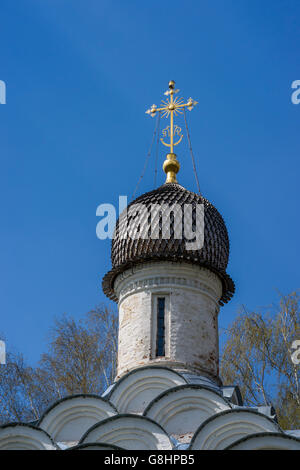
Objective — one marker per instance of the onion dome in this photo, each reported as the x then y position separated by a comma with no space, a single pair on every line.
128,252
166,245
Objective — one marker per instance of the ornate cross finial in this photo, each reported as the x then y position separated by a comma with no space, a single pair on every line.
170,107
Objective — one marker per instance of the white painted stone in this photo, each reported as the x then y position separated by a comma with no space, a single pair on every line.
181,410
24,437
267,442
131,432
191,320
69,419
134,391
221,430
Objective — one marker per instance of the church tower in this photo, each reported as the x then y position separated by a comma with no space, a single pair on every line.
169,258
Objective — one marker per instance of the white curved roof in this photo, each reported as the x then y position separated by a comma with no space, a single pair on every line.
24,437
181,410
129,432
68,419
95,446
267,441
177,409
133,392
221,430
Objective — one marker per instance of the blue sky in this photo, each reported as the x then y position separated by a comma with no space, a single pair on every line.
74,134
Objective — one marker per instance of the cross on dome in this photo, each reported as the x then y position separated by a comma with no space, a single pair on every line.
169,107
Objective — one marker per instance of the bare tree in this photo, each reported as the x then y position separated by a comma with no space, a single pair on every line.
21,397
81,358
104,322
257,357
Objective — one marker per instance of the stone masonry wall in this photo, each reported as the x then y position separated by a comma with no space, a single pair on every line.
191,317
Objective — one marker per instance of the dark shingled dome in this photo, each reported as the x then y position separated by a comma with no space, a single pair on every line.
214,254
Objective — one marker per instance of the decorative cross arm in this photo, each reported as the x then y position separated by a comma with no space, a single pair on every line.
170,107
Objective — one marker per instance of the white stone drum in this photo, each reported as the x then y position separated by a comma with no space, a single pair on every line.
191,294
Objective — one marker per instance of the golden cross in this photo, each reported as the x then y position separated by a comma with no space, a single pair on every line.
170,107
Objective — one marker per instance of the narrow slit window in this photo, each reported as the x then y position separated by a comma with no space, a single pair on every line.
160,340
